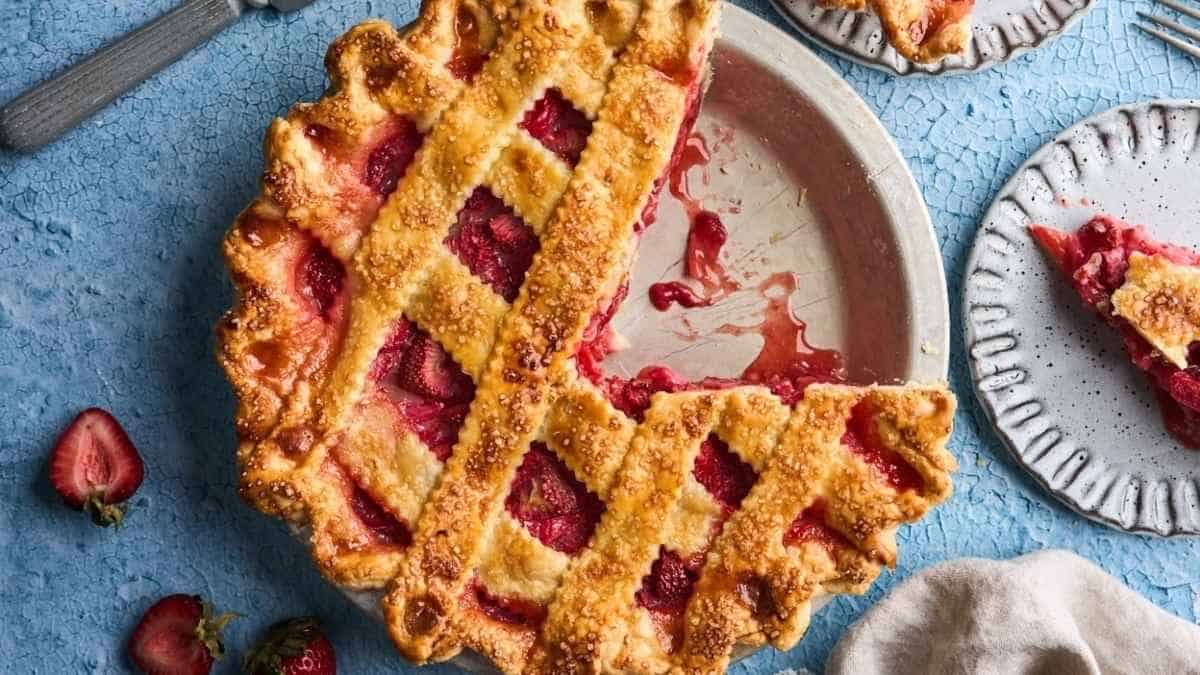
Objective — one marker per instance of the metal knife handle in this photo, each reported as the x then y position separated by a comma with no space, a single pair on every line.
52,108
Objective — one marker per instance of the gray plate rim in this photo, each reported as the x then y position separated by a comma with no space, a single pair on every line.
986,405
917,70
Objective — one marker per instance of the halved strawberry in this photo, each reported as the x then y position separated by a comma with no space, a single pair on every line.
178,635
95,467
428,371
292,647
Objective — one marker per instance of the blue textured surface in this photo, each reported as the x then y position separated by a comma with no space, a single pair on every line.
110,283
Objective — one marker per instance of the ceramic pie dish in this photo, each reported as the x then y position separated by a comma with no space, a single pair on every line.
1053,378
431,292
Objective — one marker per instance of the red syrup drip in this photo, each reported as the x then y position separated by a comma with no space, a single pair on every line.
787,362
666,293
706,237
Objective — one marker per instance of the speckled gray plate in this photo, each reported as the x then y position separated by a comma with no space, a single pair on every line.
1002,29
809,183
1052,377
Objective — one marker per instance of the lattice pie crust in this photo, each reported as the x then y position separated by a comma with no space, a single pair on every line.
551,532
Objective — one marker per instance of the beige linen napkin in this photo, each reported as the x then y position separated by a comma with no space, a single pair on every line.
1047,612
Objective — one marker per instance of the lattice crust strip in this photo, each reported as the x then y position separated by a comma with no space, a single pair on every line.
345,255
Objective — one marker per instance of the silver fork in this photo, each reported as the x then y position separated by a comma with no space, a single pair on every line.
1182,45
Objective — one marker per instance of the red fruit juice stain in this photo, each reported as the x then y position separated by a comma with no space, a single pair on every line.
787,362
706,237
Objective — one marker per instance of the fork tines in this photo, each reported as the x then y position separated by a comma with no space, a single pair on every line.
1181,44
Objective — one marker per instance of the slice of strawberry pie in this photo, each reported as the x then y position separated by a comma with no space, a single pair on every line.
1150,293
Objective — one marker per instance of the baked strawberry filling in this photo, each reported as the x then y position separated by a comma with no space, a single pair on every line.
665,593
389,159
558,125
320,278
430,391
384,528
511,611
552,503
1095,259
862,439
494,243
723,473
811,525
468,56
666,589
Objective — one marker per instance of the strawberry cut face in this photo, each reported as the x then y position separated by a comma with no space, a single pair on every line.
95,466
428,389
552,503
178,635
495,244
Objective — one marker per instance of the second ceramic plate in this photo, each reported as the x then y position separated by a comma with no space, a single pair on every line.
1052,377
1002,30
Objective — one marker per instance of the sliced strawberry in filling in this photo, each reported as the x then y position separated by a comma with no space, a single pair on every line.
552,503
506,610
723,473
385,529
559,126
665,593
1095,258
811,525
862,439
494,243
320,278
389,159
430,391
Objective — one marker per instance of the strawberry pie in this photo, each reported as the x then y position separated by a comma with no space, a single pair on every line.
426,284
1149,293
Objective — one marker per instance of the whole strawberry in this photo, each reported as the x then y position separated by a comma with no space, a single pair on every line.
178,635
292,647
95,467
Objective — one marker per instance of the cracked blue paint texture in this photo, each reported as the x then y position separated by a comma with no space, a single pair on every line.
110,283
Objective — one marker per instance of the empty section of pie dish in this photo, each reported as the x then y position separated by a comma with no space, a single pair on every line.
1001,30
1053,378
431,243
